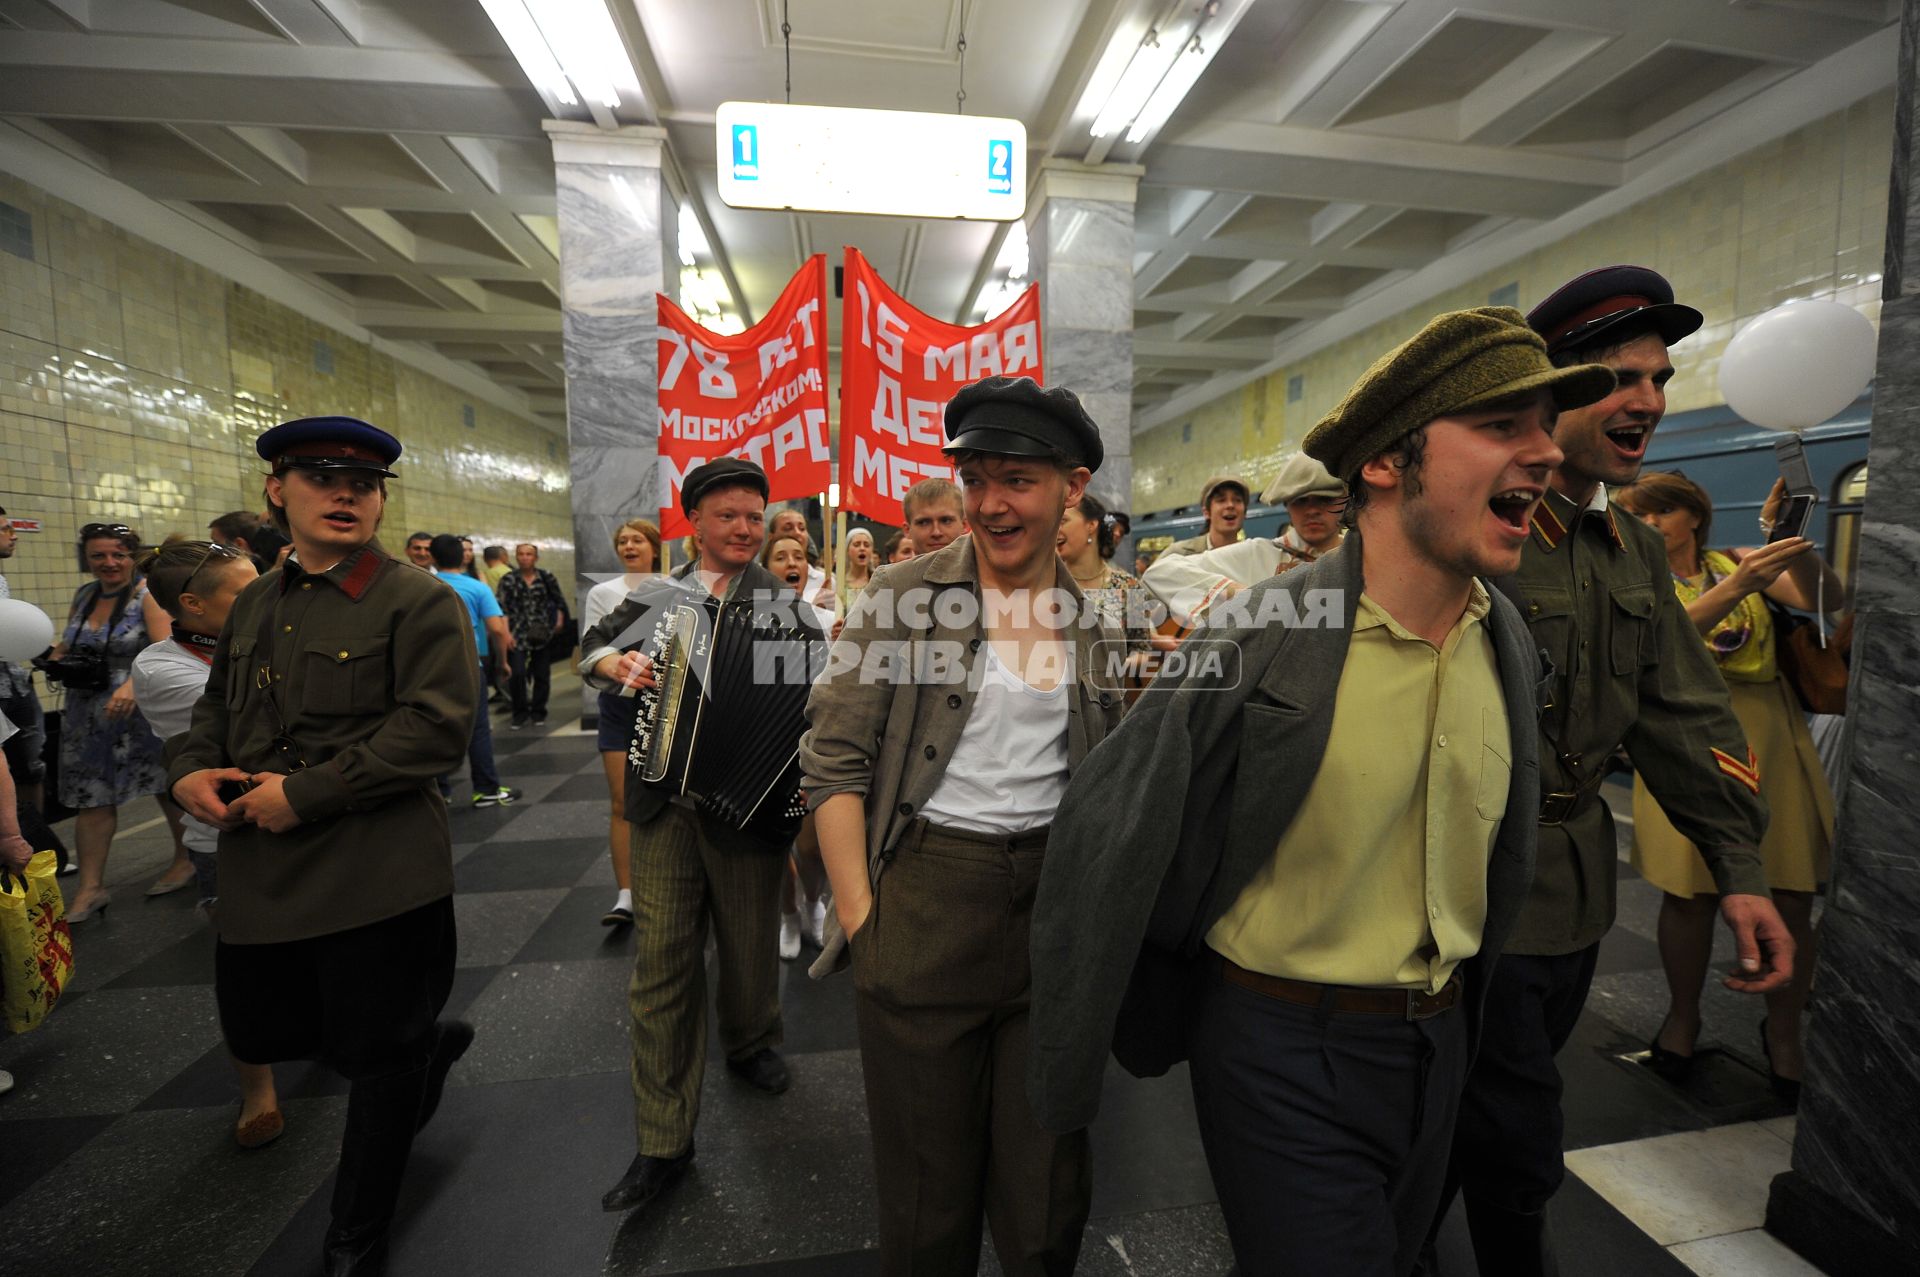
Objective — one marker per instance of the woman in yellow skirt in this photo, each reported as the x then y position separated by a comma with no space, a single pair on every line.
1722,591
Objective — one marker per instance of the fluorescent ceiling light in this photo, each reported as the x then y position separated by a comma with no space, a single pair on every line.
1015,255
568,45
693,237
1186,69
1163,69
1143,74
529,48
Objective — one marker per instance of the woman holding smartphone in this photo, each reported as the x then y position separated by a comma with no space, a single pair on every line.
1723,591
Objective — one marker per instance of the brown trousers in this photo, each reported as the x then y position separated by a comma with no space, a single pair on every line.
942,973
689,870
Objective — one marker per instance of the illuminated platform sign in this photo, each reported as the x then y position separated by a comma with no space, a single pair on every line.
827,159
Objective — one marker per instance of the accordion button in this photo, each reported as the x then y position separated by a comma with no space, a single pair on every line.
906,809
931,751
973,645
953,701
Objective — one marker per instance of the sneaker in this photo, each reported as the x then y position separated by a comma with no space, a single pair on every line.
519,721
540,720
789,936
816,927
495,797
6,1081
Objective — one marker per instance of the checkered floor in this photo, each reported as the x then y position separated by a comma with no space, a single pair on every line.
116,1155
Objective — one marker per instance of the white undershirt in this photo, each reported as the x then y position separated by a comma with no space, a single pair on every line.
1009,770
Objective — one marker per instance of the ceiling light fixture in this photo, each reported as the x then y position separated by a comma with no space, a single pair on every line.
1163,69
571,50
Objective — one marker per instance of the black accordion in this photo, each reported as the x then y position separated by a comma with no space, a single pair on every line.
722,725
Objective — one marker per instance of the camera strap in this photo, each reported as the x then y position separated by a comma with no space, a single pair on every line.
77,619
264,679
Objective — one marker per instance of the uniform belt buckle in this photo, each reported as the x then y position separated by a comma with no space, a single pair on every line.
1556,807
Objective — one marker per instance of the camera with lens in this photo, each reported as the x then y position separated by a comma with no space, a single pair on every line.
77,672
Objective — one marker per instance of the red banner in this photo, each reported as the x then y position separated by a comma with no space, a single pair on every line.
760,394
898,368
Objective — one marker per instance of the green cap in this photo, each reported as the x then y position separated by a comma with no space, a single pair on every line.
1460,360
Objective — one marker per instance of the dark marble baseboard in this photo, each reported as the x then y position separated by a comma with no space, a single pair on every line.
1831,1236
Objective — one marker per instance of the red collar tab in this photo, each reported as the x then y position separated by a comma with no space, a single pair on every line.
353,574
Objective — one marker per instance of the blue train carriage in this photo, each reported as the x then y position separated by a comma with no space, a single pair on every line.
1731,458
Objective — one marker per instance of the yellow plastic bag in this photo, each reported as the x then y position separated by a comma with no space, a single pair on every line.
36,948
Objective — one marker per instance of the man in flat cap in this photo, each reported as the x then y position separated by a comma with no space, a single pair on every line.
1187,583
1629,670
1223,499
959,699
1299,872
343,685
691,870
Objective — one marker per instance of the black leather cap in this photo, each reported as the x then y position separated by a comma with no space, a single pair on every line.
725,472
1609,305
1018,417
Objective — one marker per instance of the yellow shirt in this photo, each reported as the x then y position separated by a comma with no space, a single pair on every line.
1742,641
1381,879
494,573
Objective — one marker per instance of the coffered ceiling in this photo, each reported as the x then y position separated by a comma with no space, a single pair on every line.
1334,162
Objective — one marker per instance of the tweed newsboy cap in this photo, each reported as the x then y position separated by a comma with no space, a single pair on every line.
1460,360
1302,476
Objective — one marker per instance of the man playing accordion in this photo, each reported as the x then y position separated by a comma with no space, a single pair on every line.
694,866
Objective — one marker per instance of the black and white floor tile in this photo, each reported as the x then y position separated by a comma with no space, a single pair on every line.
116,1154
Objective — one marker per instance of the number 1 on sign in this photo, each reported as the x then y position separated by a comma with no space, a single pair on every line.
746,158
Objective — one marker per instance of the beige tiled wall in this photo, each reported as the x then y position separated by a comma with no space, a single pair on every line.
1802,216
133,383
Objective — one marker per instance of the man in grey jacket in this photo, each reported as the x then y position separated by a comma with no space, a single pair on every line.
960,698
1340,825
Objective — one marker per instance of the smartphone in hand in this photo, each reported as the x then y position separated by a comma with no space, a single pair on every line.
1795,512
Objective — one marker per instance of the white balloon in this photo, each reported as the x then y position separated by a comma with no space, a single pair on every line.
25,631
1798,364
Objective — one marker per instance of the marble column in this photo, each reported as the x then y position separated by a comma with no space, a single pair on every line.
1851,1203
1080,243
617,250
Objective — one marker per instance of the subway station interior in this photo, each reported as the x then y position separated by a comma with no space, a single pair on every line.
500,230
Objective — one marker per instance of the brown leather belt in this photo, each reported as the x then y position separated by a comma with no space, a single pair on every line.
1408,1004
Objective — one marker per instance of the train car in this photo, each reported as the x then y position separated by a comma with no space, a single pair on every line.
1732,459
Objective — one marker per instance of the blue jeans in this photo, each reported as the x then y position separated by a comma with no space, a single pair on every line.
486,778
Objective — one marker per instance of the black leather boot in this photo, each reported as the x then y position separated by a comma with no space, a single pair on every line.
1510,1243
381,1116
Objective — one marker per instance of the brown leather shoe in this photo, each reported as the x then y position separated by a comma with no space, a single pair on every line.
261,1130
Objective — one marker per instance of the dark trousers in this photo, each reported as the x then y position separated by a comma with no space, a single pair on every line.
690,872
942,977
486,777
1326,1133
1506,1145
528,667
363,1002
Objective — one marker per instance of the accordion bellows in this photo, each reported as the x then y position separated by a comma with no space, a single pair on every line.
723,726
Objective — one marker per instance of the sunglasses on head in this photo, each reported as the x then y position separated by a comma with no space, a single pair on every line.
214,550
92,530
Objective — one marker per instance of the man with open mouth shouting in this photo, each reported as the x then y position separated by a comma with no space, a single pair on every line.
1629,669
1300,874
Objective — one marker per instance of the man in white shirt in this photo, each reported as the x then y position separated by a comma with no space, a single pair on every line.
1314,500
932,790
